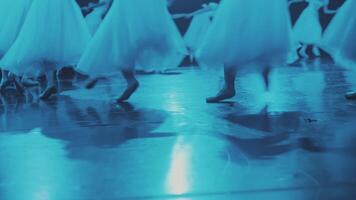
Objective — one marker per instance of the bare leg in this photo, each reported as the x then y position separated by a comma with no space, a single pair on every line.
228,90
132,84
266,76
51,86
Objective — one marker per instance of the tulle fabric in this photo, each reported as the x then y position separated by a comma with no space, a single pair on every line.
247,32
340,36
3,11
135,33
54,35
12,17
198,28
94,18
308,29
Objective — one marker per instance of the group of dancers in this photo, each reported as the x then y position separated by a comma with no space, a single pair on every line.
39,37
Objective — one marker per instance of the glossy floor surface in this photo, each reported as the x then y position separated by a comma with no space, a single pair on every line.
297,141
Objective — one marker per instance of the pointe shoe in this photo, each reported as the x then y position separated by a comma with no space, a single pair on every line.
222,95
131,88
351,96
46,95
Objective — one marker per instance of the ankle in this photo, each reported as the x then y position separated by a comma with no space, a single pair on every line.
229,88
132,82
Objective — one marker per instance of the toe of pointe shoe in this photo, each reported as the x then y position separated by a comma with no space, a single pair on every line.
223,95
212,100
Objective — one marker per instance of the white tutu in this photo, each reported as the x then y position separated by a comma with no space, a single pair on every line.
134,33
244,32
54,35
308,29
4,9
198,28
12,16
339,37
94,18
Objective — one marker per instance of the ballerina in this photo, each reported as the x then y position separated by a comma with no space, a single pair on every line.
14,15
54,35
201,21
339,38
307,31
246,33
144,34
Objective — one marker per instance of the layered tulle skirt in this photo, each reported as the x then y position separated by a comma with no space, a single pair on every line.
308,29
3,11
134,33
340,36
247,32
12,16
53,35
197,30
94,18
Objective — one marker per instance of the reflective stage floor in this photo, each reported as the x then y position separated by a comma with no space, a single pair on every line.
297,141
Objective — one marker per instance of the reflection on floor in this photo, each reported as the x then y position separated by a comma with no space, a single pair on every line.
296,141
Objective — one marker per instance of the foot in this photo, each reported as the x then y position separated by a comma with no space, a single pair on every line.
131,88
91,84
351,96
126,106
222,95
29,82
46,95
145,72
